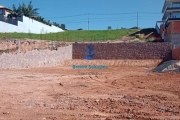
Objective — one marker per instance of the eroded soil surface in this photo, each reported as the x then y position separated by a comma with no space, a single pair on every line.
62,93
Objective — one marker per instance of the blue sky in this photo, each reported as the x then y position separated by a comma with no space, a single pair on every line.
102,13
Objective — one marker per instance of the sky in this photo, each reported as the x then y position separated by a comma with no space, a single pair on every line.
100,13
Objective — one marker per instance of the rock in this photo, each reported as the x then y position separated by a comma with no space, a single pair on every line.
128,116
5,113
172,65
108,119
142,87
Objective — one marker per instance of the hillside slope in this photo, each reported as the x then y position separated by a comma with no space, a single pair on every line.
72,36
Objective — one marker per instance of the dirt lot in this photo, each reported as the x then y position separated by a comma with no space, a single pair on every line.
62,93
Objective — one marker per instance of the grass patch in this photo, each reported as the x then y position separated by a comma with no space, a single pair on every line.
72,36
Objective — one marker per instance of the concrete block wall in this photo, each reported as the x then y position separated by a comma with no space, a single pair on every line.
173,27
138,51
174,38
28,25
168,32
161,28
176,53
172,32
36,58
176,27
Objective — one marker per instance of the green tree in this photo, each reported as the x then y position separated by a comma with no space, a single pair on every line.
39,18
109,27
16,12
26,10
56,24
29,10
63,26
48,22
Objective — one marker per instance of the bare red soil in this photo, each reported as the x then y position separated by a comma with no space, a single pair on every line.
62,93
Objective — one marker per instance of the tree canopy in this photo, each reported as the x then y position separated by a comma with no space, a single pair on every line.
16,12
23,9
31,12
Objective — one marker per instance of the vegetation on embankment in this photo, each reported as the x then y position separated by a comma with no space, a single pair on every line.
73,36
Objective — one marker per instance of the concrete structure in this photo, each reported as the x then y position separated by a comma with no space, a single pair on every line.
169,27
28,25
23,24
4,11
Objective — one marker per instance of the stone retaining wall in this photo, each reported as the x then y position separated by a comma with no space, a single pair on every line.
35,58
137,51
105,51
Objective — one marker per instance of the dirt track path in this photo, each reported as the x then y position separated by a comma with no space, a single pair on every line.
59,93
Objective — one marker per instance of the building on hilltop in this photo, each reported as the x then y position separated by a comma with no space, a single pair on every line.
169,27
4,11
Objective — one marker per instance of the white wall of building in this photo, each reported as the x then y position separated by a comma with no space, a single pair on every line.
29,26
